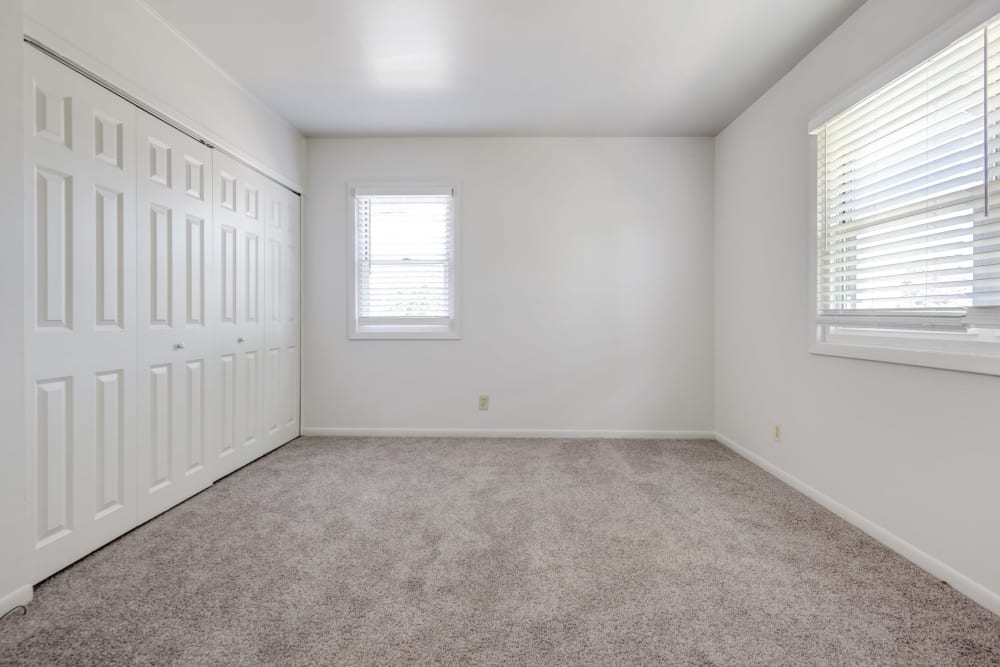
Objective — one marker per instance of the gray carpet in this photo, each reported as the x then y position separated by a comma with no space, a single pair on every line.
367,551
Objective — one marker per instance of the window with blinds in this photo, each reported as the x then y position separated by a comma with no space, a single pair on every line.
908,197
404,262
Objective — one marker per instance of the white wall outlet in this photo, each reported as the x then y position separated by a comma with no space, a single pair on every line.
777,432
484,402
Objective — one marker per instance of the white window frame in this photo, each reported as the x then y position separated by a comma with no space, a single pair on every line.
402,330
968,351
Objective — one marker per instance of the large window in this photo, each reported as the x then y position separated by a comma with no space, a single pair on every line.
404,269
908,211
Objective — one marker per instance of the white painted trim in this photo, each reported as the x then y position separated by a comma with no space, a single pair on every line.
451,331
16,598
505,433
946,360
963,584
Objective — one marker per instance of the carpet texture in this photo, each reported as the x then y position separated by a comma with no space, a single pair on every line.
546,552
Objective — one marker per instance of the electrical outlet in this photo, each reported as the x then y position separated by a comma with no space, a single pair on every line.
484,402
777,432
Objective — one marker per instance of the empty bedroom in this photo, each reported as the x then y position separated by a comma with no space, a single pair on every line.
521,332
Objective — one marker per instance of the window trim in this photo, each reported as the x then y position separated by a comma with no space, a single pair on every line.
358,331
971,352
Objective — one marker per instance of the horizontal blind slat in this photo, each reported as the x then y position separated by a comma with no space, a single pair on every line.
893,104
969,200
934,113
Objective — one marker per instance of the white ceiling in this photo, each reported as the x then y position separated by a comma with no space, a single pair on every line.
506,67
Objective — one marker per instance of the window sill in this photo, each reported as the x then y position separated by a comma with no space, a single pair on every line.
396,332
906,352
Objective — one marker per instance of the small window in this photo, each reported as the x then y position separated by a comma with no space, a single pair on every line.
404,259
908,213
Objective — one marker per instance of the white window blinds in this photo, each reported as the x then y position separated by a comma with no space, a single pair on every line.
909,197
405,257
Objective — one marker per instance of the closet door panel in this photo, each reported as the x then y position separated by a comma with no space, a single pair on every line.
282,317
227,443
273,396
239,348
292,326
176,339
79,311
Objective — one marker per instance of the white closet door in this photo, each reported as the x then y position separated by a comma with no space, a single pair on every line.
239,348
79,312
281,397
179,383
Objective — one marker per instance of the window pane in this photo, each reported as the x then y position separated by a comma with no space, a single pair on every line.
405,257
415,228
902,189
406,290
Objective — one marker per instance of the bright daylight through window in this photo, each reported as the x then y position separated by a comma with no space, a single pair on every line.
908,208
404,275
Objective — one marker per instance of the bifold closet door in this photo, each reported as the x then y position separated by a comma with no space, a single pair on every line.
239,335
281,331
80,338
179,385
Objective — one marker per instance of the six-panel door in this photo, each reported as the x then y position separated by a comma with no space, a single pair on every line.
178,382
281,327
239,350
80,340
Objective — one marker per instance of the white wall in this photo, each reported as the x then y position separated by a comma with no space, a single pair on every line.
129,45
913,451
13,518
586,294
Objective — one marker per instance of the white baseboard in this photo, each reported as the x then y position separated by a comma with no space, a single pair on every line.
973,589
17,597
506,433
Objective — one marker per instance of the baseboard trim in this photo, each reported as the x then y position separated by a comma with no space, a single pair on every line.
960,582
506,433
16,598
